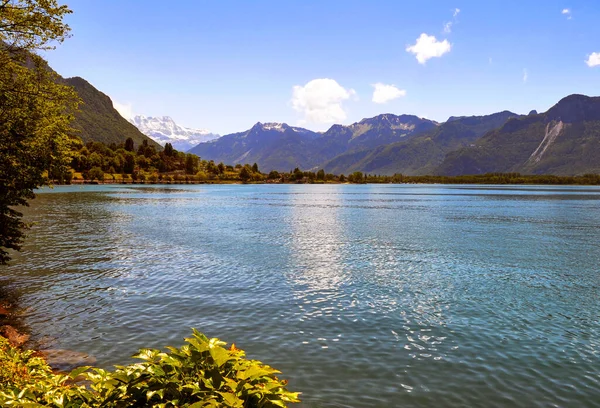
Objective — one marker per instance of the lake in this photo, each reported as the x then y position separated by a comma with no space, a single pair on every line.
363,295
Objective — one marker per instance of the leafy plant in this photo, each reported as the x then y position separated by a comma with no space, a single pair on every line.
201,373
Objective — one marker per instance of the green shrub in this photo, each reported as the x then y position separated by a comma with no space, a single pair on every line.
201,373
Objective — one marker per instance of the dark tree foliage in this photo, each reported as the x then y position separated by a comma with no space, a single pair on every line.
129,145
35,110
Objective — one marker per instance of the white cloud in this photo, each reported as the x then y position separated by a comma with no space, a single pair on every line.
456,11
320,100
124,109
525,75
567,12
384,93
593,59
427,46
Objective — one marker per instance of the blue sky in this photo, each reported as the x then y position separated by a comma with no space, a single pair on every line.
225,65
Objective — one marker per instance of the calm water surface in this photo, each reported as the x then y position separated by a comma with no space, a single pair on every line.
364,296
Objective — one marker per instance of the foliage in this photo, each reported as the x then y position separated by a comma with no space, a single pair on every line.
201,373
35,110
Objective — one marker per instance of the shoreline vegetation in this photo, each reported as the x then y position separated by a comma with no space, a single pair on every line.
98,163
202,373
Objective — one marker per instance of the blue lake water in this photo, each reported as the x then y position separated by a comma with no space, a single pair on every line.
364,296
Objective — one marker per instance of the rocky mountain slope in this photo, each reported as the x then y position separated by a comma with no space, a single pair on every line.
565,140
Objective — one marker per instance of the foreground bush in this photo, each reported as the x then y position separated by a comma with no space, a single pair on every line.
201,373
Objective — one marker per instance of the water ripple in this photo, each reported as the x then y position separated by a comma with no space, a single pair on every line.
364,296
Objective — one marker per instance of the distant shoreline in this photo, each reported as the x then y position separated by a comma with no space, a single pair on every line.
590,180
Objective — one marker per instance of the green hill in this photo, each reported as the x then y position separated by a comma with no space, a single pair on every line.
97,119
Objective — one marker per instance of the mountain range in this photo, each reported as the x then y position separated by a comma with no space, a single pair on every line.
565,140
164,130
278,146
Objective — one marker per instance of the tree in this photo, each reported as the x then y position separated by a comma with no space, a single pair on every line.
321,174
245,174
129,146
191,163
36,110
95,173
129,165
255,168
168,149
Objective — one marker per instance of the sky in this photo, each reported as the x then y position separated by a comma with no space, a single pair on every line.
225,65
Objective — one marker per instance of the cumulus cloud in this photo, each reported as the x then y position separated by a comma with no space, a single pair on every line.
124,109
593,59
456,11
320,100
384,93
525,75
427,46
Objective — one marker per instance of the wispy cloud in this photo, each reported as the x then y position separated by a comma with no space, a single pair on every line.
449,24
124,109
384,93
593,59
427,47
525,75
320,100
567,12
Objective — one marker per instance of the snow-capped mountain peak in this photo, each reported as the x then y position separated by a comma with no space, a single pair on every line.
274,126
163,129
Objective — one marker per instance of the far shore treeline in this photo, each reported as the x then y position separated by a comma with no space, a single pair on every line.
96,162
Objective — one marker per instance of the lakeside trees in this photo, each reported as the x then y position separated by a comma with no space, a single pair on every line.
35,110
97,161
